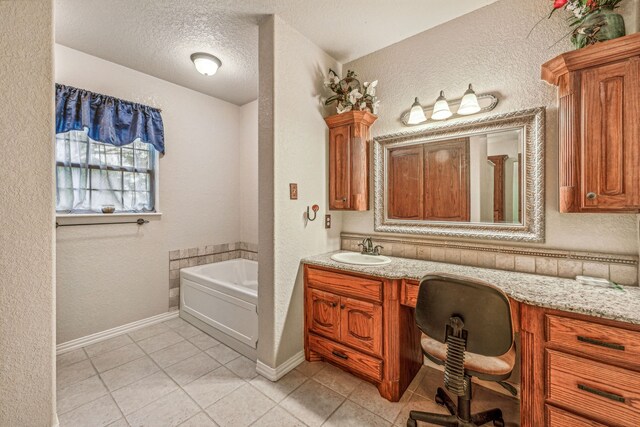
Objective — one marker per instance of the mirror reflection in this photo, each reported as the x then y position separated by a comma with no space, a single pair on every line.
476,178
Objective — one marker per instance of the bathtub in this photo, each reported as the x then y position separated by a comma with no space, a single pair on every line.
222,299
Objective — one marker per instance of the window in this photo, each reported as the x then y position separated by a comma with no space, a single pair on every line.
91,175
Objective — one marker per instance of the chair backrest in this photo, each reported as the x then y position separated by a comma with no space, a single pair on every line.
484,309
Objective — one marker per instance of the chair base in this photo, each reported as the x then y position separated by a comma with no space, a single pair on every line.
460,414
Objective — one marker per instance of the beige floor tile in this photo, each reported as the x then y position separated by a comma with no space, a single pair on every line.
117,357
79,393
213,386
243,367
168,411
129,373
310,368
200,420
418,403
367,396
417,379
74,373
70,358
107,345
241,407
337,380
160,341
312,403
175,322
174,353
278,417
351,415
203,341
192,368
142,392
278,390
98,413
120,423
429,383
484,399
223,354
187,330
149,331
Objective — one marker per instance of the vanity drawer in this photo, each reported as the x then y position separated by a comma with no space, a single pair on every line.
605,393
559,418
367,366
344,284
603,342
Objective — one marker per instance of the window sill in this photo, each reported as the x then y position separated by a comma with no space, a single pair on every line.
92,218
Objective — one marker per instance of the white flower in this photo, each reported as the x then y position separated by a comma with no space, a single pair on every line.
371,90
342,109
363,105
375,106
354,95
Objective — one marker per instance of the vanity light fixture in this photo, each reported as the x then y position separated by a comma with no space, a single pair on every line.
416,115
469,104
206,63
441,109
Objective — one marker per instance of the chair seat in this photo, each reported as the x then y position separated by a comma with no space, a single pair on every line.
492,368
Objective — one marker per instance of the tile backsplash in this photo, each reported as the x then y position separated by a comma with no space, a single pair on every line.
182,258
621,269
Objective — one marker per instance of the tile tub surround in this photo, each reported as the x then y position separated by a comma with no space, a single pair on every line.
622,269
543,291
182,258
199,382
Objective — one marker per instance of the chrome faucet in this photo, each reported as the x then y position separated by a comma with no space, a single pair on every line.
368,248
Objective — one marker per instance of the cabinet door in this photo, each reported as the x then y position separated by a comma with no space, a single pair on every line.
323,313
446,181
361,325
405,186
609,145
340,167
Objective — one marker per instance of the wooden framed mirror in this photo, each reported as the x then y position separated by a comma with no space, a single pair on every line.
476,179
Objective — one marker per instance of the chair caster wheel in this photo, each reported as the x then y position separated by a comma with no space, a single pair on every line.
439,400
411,423
499,422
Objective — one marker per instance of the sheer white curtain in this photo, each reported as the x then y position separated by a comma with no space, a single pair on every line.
91,175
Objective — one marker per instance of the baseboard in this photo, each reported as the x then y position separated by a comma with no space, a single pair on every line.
114,332
274,374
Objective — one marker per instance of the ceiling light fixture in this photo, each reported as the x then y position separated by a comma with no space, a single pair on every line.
469,103
441,109
205,63
416,115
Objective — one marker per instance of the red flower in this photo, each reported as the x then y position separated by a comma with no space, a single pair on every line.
557,4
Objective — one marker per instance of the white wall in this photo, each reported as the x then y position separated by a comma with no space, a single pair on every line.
115,274
27,260
490,48
249,172
293,149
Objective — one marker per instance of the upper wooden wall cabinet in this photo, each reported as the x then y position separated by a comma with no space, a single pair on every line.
599,119
349,138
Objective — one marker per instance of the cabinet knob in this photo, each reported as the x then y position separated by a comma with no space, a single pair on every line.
591,195
333,304
344,199
342,306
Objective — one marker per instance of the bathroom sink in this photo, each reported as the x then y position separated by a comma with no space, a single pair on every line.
360,259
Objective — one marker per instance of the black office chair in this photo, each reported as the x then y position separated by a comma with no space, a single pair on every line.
466,326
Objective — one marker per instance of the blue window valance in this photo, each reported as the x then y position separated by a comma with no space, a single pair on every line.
107,119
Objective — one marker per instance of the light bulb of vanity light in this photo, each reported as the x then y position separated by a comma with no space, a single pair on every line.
205,63
469,103
441,109
416,115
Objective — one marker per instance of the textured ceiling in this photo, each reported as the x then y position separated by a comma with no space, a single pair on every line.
157,37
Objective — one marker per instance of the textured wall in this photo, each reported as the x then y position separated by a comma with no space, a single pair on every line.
293,148
27,392
115,274
249,172
490,48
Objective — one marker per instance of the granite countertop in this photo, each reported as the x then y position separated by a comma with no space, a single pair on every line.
543,291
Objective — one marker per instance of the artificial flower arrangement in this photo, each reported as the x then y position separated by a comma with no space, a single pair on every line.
350,95
592,21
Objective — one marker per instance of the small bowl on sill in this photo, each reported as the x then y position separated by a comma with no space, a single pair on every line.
108,209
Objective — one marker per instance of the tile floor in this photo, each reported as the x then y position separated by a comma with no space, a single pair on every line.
172,374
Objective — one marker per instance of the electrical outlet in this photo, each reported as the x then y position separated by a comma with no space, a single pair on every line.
327,221
293,191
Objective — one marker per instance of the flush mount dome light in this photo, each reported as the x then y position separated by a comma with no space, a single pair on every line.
205,63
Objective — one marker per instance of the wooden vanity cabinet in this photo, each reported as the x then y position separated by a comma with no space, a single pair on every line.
349,139
599,120
358,323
